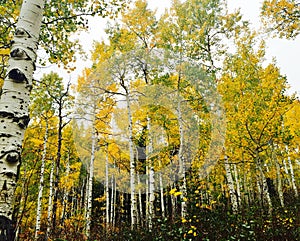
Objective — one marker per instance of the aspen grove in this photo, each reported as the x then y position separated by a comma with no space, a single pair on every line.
181,128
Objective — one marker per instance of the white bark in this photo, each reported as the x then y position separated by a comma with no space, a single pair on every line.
133,209
112,200
265,189
293,181
140,199
182,163
86,194
50,203
151,176
162,202
41,186
287,173
231,187
173,204
107,187
114,204
14,114
90,184
279,182
237,181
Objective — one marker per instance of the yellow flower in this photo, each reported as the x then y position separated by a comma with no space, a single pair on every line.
190,231
195,234
183,220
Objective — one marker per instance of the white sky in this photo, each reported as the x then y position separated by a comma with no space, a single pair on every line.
286,52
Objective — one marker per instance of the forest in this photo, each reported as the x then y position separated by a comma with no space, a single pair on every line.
180,129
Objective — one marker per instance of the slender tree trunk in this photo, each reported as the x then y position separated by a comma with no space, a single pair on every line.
182,163
114,203
66,191
173,205
41,186
292,174
265,189
14,114
112,199
133,205
231,187
90,185
86,194
140,201
237,181
287,173
107,187
50,202
162,202
279,182
247,194
147,194
151,176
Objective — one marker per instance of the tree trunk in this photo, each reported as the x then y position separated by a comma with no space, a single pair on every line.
265,189
107,187
50,202
232,191
90,185
181,157
57,170
66,192
133,209
279,182
162,203
151,177
40,194
14,114
112,200
292,174
140,200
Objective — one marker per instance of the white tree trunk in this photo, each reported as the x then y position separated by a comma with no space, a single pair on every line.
133,209
231,187
140,200
114,204
50,203
287,173
292,174
14,114
112,200
181,157
237,181
279,182
90,185
265,189
41,186
162,202
107,187
151,176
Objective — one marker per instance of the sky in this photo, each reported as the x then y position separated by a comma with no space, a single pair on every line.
285,52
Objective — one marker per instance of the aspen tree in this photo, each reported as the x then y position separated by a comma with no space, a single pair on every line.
232,191
107,219
41,185
281,17
50,201
14,115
